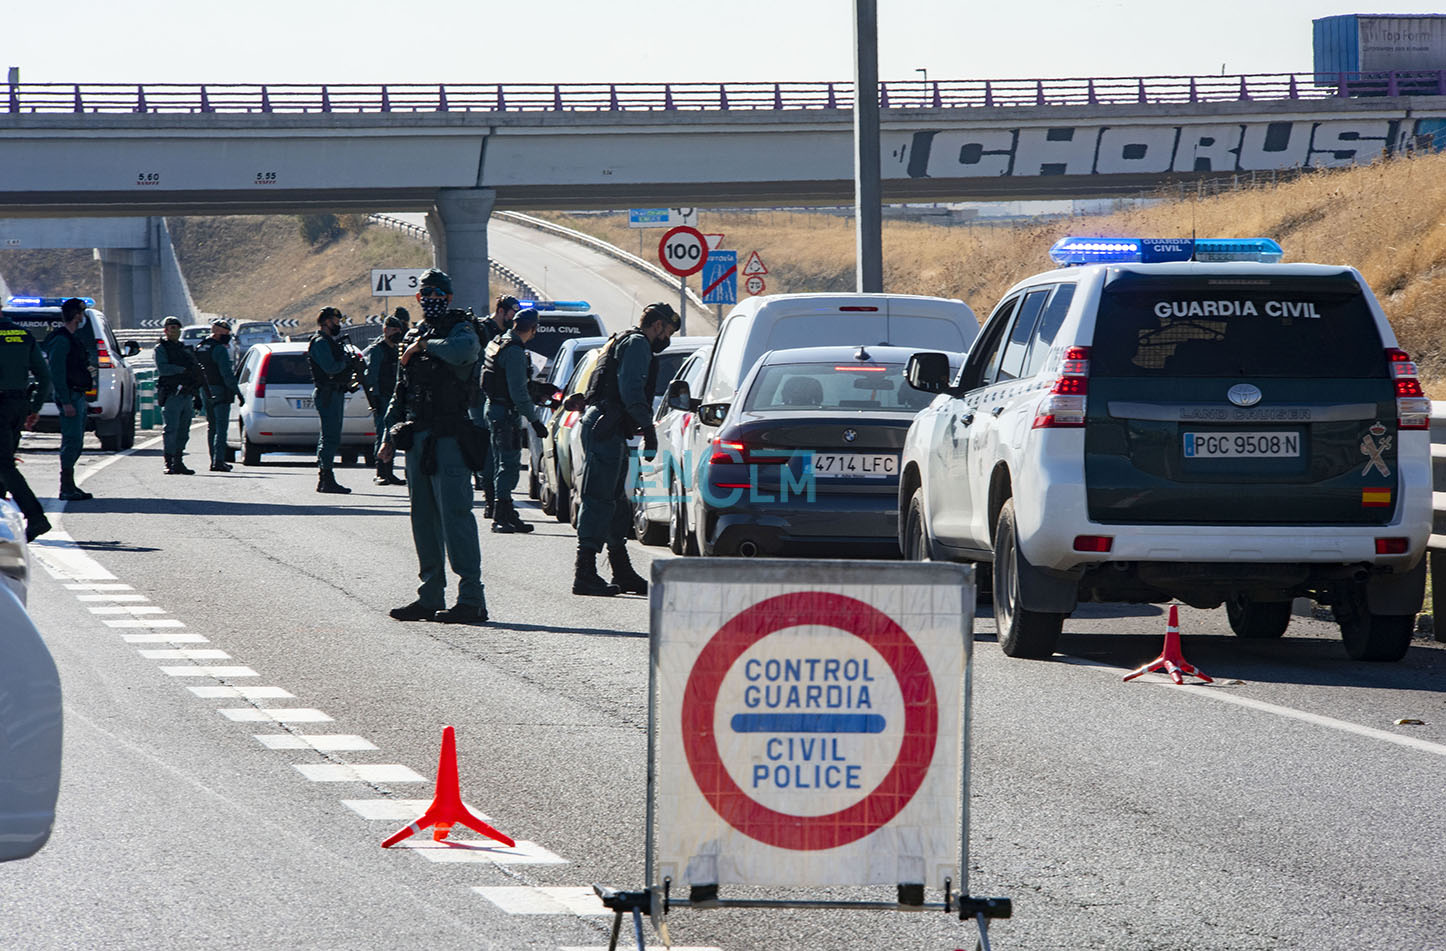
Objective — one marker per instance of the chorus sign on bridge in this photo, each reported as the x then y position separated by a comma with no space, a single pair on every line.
808,728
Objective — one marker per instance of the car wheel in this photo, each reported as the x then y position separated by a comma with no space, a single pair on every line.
1022,633
1367,636
1257,620
110,435
678,538
647,531
916,543
128,430
250,452
546,499
562,507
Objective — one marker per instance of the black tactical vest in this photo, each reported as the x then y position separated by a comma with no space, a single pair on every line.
434,391
77,367
494,378
322,380
207,359
603,387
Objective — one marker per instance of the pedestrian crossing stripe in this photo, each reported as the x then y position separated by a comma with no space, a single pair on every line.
529,900
481,850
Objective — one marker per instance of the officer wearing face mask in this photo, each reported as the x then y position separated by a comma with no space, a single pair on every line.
381,356
509,407
428,419
214,354
331,377
619,407
488,330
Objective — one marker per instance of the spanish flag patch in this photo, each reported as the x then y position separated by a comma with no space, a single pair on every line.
1375,498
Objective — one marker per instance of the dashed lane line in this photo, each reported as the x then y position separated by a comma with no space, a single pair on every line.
359,772
325,742
222,692
98,587
177,638
157,622
131,609
202,670
184,653
275,715
97,598
536,900
480,851
399,810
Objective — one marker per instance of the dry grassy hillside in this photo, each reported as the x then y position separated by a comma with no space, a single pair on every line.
260,268
51,273
1387,219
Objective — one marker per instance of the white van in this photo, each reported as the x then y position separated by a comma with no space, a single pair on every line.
789,321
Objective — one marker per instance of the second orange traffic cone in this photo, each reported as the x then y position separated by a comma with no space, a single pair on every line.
447,807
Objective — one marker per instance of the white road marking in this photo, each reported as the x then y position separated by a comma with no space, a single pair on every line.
185,653
98,587
59,555
250,693
480,850
90,598
526,900
363,772
157,622
324,741
1225,695
164,639
399,810
131,609
293,715
208,671
603,947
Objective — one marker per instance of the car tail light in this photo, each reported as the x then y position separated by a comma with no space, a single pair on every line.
731,452
862,369
1065,405
103,359
855,309
1413,410
1094,543
261,369
1392,546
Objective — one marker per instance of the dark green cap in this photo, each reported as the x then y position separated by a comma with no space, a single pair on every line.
436,278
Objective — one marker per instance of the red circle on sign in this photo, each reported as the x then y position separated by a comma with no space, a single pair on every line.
916,752
754,284
687,242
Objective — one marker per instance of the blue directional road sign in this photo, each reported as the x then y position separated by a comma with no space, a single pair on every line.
720,278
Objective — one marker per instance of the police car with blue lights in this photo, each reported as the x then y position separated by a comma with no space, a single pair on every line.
557,321
1186,419
111,402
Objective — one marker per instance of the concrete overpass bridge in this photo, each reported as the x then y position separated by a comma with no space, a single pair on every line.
456,152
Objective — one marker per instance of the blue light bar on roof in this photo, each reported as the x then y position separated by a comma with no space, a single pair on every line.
1081,250
43,301
546,305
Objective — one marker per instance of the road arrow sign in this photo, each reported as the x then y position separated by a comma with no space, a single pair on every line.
754,265
683,251
396,282
720,278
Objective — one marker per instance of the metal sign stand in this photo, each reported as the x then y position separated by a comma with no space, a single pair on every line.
657,901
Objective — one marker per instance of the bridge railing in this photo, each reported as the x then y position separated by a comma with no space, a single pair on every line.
285,98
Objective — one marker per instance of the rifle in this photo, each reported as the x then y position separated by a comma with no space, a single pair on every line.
357,365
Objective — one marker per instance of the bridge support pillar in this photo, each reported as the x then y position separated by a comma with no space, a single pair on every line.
458,226
125,284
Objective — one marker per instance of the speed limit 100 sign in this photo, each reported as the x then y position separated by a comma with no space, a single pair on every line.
683,251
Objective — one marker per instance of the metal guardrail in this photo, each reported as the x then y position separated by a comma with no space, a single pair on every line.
284,98
421,234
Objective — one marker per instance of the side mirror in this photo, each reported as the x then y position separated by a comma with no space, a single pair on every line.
131,348
678,397
928,372
712,414
575,403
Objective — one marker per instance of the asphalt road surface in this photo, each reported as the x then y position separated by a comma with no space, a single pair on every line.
237,797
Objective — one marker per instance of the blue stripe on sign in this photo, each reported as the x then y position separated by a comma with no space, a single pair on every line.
807,723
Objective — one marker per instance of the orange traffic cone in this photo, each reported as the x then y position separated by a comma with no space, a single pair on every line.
1171,659
447,807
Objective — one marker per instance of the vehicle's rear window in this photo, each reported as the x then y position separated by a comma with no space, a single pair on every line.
668,365
1234,327
39,322
286,368
552,331
790,387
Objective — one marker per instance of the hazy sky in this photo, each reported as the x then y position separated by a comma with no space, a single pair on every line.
484,41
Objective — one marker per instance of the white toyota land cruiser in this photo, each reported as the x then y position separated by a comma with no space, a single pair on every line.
1162,420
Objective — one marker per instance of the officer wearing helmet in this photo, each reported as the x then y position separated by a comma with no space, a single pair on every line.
489,329
509,406
619,399
214,354
331,377
428,420
179,382
381,357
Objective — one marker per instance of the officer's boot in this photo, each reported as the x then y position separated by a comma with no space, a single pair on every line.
390,475
586,580
515,520
171,465
625,578
479,484
326,482
180,463
489,502
69,491
381,477
219,464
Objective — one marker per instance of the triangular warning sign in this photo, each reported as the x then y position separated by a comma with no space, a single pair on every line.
754,265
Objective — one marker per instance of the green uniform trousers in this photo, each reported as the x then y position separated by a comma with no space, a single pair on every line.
13,412
330,406
443,527
505,459
177,414
218,418
72,434
605,515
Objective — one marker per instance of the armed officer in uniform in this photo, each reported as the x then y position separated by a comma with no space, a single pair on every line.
428,419
619,406
179,382
21,359
214,354
70,379
332,370
509,406
488,330
381,380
